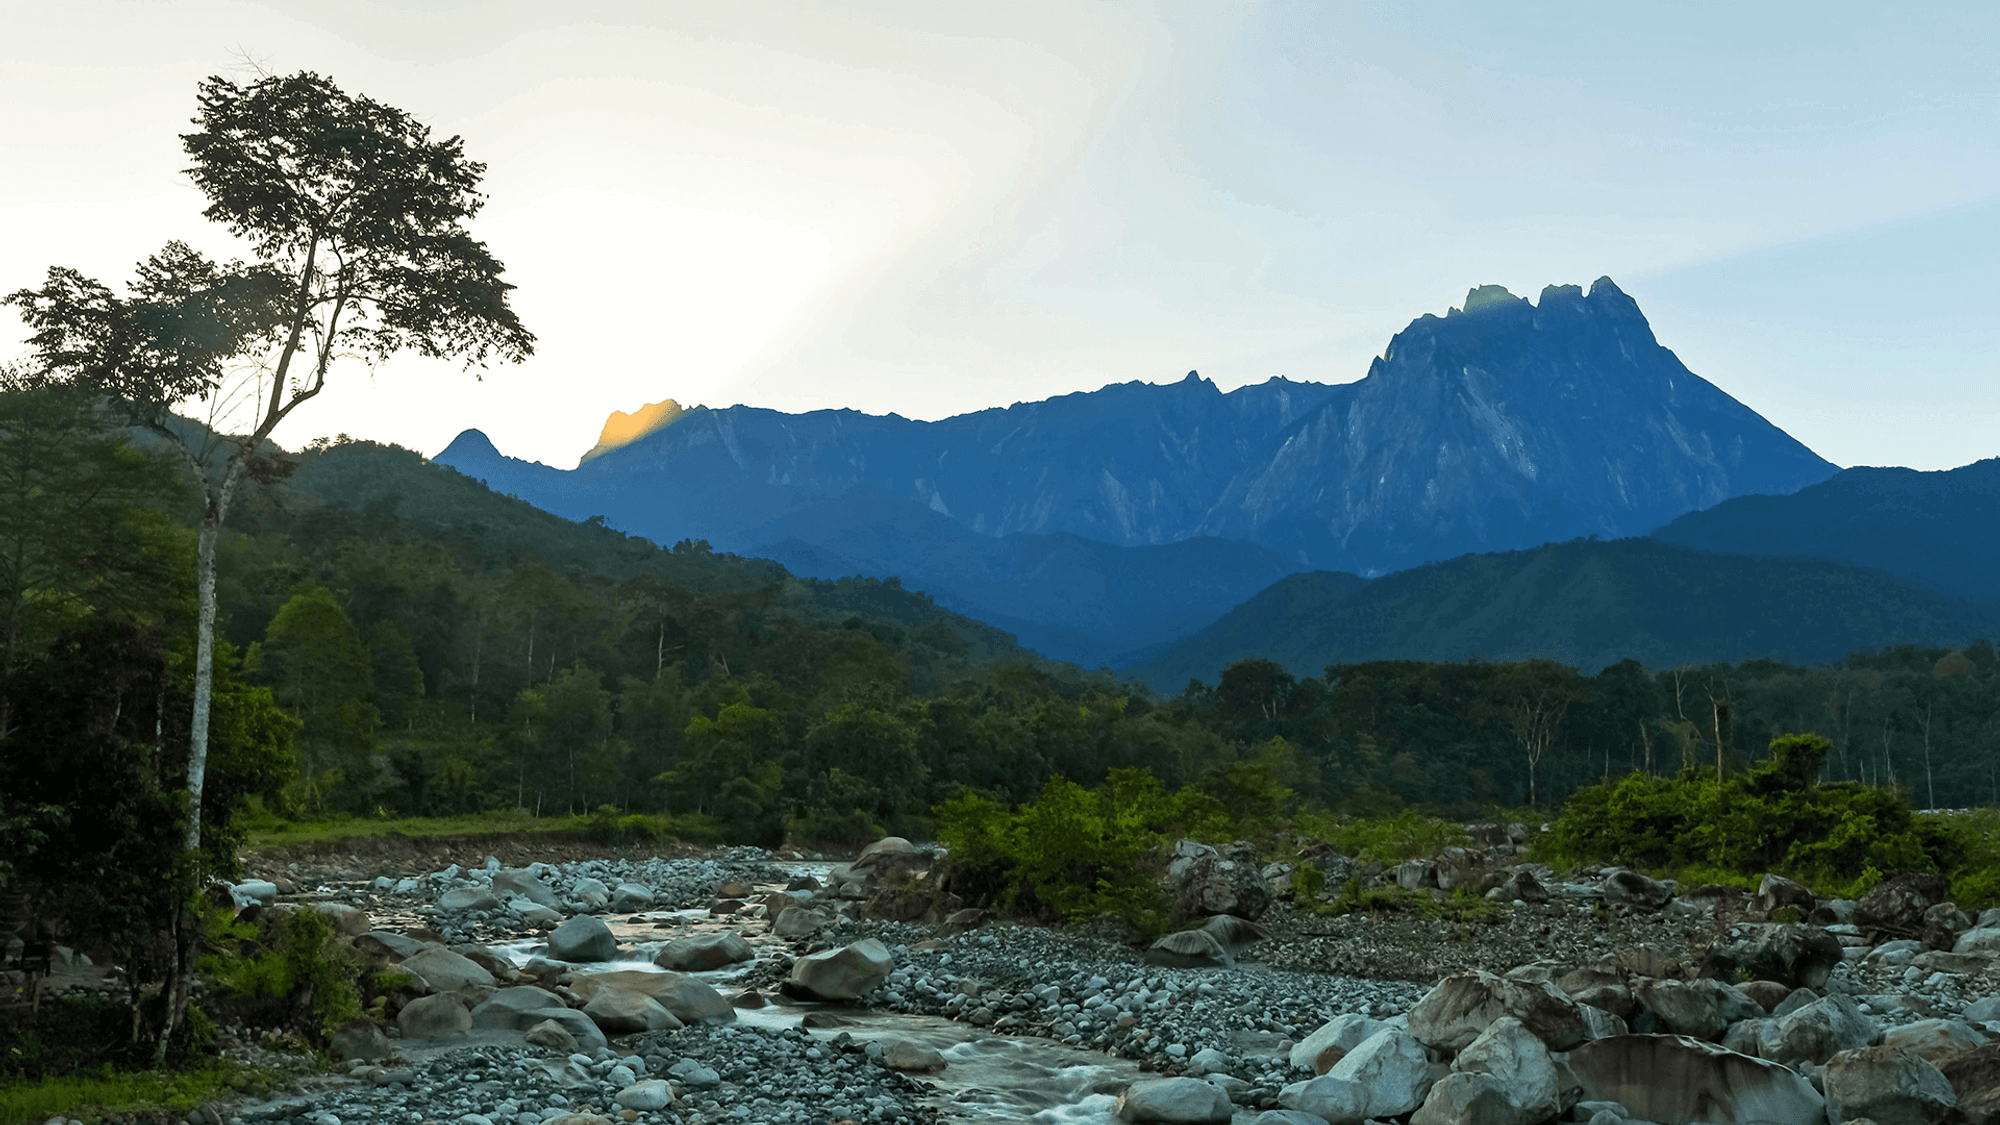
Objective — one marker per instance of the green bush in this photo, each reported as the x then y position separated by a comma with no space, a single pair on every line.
1073,852
1390,839
286,970
609,826
1836,836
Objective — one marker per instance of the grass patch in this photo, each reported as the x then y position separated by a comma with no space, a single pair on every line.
91,1095
1452,906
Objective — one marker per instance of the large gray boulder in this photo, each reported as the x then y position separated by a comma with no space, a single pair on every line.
508,1008
387,945
461,899
1798,955
1817,1031
705,952
1392,1067
1887,1085
584,938
621,1011
1182,1101
1470,1098
1517,1059
1675,1078
1338,1101
847,973
800,921
433,1017
1934,1039
631,898
445,971
1331,1041
693,1001
582,1029
1460,1007
519,883
1633,890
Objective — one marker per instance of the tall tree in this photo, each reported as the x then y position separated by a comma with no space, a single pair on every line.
357,220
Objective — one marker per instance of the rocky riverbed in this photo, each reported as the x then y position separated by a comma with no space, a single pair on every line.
740,986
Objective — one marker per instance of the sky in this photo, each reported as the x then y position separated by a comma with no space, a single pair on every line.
931,207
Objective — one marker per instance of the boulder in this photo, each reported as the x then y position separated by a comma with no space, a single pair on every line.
645,1096
1519,1061
1471,1098
488,959
692,1001
348,921
254,892
386,945
445,971
801,921
847,973
1176,1100
1521,886
582,1029
434,1017
1675,1078
1767,993
1415,875
1897,904
1332,1040
552,1035
1942,925
631,898
1631,889
1817,1031
507,1009
1390,1065
1602,1024
1189,949
1980,940
1975,1077
1228,882
590,893
1887,1085
1775,892
521,884
584,938
1338,1101
619,1011
911,1058
700,954
1934,1039
1462,1006
359,1038
1683,1007
1793,955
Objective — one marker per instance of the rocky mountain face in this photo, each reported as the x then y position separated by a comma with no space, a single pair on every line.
1504,425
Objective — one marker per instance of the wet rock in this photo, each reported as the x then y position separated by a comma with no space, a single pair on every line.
584,938
1793,955
703,953
1174,1100
631,898
692,1001
590,893
801,921
1675,1078
1888,1085
848,973
1454,1013
914,1058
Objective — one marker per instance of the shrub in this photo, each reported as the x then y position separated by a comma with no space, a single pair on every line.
284,970
1775,818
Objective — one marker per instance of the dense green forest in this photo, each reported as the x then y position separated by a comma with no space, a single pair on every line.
441,649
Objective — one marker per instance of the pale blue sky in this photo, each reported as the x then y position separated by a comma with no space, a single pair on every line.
932,207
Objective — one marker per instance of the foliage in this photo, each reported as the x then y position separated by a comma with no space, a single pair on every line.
102,1092
1457,906
1409,834
285,970
1776,817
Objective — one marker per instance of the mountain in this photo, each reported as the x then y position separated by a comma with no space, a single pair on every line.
1504,425
1938,528
1583,602
1092,602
